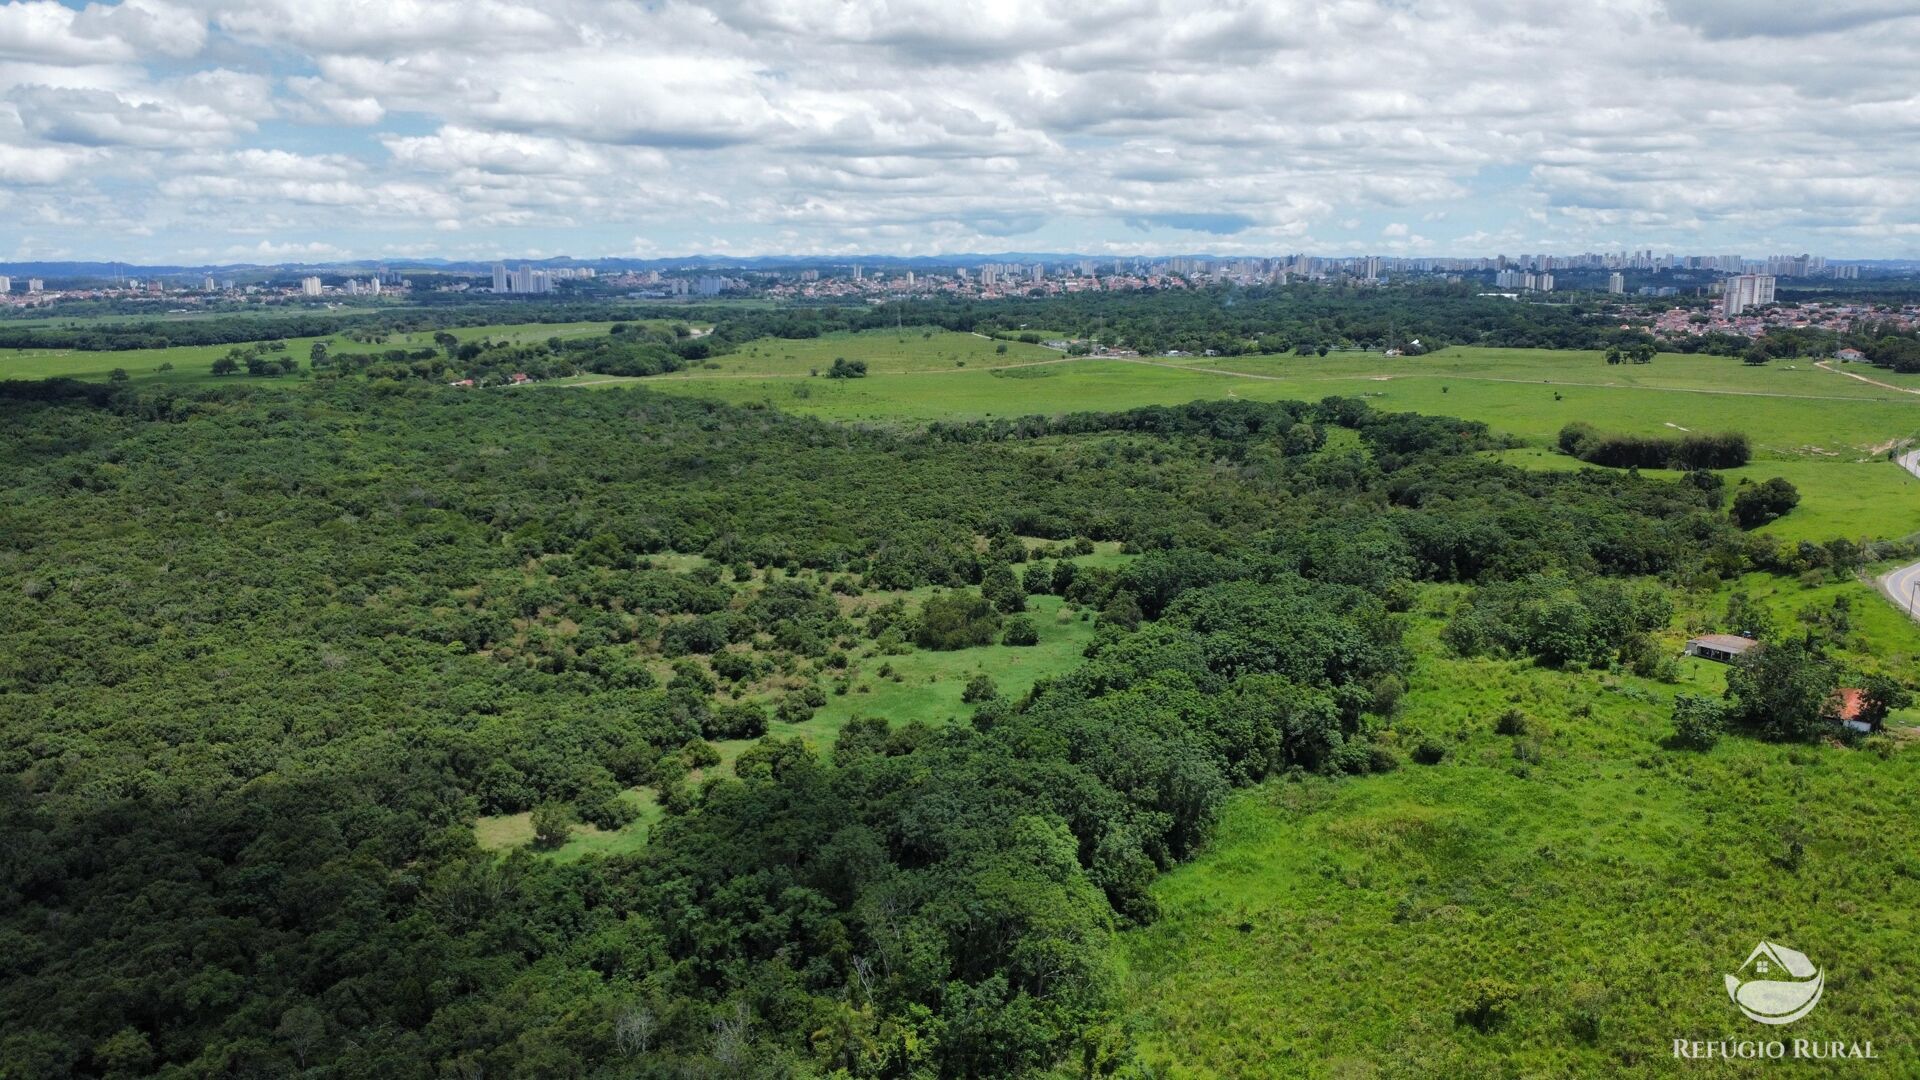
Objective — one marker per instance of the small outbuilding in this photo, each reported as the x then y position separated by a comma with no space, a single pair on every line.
1849,709
1850,356
1726,648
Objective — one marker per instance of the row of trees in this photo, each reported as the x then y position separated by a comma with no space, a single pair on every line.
1722,450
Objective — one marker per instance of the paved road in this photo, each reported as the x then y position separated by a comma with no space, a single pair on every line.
1901,585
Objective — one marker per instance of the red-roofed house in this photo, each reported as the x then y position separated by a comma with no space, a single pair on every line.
521,377
1848,706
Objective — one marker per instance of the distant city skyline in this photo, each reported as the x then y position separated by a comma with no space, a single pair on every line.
505,269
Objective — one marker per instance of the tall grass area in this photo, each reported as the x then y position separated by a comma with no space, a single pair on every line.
1558,902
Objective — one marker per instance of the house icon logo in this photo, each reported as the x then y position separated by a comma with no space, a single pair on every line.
1776,985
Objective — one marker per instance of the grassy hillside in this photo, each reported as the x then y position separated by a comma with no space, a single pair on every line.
1596,882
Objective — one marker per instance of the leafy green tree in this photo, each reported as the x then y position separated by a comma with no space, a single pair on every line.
1755,505
552,823
1880,695
1698,721
980,688
1781,691
956,619
1001,589
1021,631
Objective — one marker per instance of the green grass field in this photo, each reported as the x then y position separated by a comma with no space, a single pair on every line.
1789,409
926,685
1342,928
916,349
191,362
503,832
1822,430
1875,498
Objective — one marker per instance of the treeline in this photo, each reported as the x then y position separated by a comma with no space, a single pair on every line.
1722,450
271,650
125,334
626,349
1229,321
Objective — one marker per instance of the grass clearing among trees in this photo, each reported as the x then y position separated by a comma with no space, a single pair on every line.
1593,881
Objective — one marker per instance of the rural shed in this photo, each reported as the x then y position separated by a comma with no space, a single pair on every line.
1849,706
1725,648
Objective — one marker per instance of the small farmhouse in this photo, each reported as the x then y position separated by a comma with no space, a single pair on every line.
1850,709
1726,648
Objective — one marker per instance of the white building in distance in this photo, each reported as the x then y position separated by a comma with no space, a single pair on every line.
1747,291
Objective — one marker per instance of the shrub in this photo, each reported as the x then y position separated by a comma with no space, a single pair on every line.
980,688
1429,752
1757,504
1381,759
741,720
1021,631
733,665
1698,721
699,755
552,822
957,619
1486,1004
1511,722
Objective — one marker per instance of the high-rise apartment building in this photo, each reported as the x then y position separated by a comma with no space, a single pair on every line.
1747,291
310,286
1616,283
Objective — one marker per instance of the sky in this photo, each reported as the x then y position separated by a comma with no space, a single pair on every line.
213,131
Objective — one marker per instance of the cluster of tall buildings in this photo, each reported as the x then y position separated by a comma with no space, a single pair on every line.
34,284
527,280
993,274
1524,279
1745,291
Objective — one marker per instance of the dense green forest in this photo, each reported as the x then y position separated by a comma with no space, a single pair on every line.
271,650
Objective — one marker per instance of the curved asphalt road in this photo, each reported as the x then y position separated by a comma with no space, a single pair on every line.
1901,585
